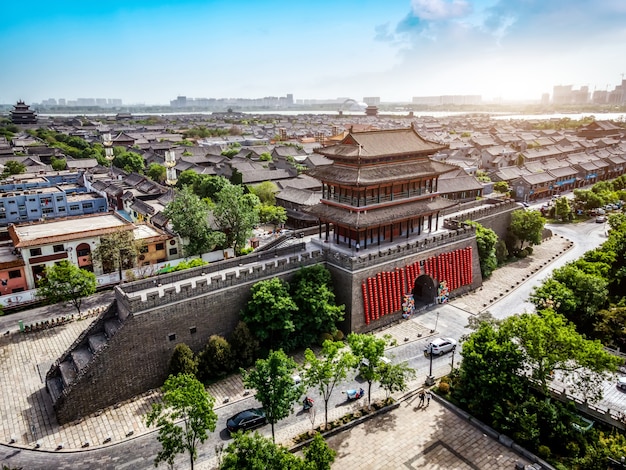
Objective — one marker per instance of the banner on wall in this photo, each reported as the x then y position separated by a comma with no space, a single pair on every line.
408,305
443,293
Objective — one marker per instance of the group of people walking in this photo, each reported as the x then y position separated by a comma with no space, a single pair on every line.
425,395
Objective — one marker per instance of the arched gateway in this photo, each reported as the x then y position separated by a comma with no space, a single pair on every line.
424,291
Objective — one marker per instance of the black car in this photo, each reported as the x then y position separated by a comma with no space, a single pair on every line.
246,419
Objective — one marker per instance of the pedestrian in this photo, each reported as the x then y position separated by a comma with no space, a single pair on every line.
428,395
422,395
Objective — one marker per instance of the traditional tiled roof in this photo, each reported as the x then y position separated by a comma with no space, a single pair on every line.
303,197
374,145
380,216
377,174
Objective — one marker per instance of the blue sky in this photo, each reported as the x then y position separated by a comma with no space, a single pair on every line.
151,51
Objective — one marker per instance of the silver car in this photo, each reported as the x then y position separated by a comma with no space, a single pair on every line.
440,346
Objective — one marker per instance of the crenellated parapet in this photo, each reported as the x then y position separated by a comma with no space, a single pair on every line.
177,287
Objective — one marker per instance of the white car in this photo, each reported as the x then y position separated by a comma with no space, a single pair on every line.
439,346
621,383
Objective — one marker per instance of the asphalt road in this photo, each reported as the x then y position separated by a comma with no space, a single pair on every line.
585,236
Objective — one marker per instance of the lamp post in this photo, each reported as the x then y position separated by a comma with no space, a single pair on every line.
108,151
170,171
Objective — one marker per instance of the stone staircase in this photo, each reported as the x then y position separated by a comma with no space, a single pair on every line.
75,361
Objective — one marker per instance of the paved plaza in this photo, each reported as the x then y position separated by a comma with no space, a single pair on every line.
421,438
413,437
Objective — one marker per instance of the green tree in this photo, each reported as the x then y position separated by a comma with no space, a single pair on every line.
269,313
187,178
236,214
527,226
118,250
368,351
183,418
216,360
318,455
255,452
327,371
317,313
244,345
562,209
189,216
58,164
501,187
182,361
395,377
12,167
129,161
207,186
486,241
551,344
269,214
157,172
266,192
272,378
65,282
491,373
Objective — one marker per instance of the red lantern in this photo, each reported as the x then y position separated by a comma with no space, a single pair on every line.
366,309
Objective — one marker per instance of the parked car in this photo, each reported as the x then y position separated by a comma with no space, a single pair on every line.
601,219
621,383
439,346
246,419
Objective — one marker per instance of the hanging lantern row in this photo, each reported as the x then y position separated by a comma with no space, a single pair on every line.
384,293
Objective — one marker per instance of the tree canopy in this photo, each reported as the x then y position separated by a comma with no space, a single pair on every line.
118,250
486,240
272,378
368,351
189,216
328,369
236,214
269,313
317,312
527,226
66,282
183,418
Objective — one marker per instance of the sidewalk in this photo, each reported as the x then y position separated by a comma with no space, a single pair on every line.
26,409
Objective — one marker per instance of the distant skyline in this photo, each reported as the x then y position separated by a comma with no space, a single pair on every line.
150,51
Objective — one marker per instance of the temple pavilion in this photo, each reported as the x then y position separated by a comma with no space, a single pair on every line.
380,187
22,114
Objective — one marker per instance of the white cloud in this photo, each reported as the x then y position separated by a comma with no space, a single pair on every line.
440,9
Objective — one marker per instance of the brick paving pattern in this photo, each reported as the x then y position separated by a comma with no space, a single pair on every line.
414,437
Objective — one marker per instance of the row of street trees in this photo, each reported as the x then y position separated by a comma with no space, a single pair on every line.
506,371
186,412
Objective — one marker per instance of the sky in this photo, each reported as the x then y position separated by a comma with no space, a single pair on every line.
151,51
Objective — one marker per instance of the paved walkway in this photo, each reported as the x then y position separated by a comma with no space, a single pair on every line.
413,437
26,409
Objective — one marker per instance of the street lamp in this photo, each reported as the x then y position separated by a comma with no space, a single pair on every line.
170,171
108,151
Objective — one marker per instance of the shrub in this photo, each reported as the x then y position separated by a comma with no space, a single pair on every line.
521,254
244,345
445,379
182,361
444,388
325,336
216,360
544,452
338,335
529,250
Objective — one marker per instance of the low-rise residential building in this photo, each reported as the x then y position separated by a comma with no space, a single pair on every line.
42,244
